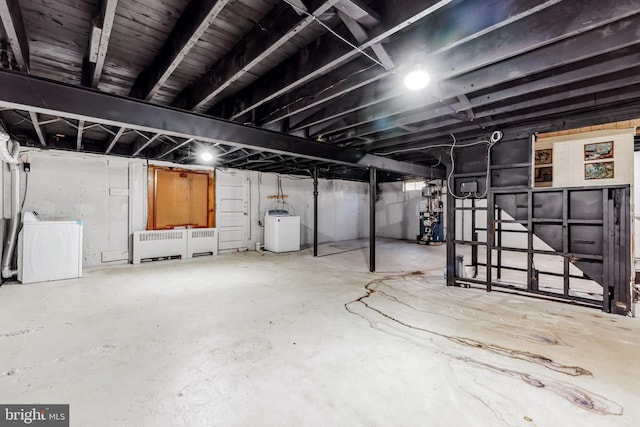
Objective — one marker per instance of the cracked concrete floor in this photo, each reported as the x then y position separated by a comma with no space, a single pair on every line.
249,339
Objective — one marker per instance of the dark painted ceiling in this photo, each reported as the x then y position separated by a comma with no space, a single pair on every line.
329,71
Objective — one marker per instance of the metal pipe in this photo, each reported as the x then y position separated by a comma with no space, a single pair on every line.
14,222
9,153
372,219
315,211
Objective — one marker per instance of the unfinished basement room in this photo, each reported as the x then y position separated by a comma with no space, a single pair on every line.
290,213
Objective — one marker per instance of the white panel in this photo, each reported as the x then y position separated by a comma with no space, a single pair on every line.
137,197
121,192
231,221
50,250
201,241
159,244
232,206
229,191
110,256
232,210
231,235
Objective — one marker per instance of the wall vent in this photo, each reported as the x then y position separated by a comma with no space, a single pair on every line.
202,241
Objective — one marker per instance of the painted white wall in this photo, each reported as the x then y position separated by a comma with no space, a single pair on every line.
343,206
109,194
397,212
568,157
91,188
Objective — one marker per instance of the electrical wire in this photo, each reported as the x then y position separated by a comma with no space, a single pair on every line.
453,145
426,147
320,92
354,47
493,140
26,187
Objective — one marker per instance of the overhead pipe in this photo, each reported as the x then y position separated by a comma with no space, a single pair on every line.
9,152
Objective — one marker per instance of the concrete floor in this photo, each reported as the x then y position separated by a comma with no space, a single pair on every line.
250,339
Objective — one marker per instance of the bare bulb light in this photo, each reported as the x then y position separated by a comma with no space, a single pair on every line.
206,156
417,79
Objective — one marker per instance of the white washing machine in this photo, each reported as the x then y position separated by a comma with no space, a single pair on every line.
49,250
281,231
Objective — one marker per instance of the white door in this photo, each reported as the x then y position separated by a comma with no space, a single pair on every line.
232,206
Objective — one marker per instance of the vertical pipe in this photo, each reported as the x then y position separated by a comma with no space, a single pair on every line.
565,242
532,283
450,215
372,219
14,223
491,230
474,234
315,211
499,252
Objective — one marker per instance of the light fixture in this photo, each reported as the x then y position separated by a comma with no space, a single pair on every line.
417,79
206,156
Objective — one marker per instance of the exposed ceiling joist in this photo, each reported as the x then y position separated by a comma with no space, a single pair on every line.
42,135
536,59
11,18
99,38
280,26
43,96
360,12
194,21
317,60
170,150
115,139
140,146
361,35
351,77
354,76
604,102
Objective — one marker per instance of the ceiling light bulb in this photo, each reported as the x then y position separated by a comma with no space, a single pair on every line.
206,156
417,79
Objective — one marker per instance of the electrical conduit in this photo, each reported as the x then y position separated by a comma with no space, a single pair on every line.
9,154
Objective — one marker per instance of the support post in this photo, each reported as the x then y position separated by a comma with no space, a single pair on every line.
315,212
451,237
372,219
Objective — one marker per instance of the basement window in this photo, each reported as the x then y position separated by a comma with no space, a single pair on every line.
412,185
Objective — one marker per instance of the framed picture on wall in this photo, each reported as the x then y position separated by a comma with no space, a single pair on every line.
602,170
544,174
598,151
544,156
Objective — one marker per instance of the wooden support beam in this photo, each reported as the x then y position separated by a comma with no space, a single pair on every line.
115,139
43,96
39,131
281,25
11,18
320,58
359,12
141,146
101,27
194,21
175,147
